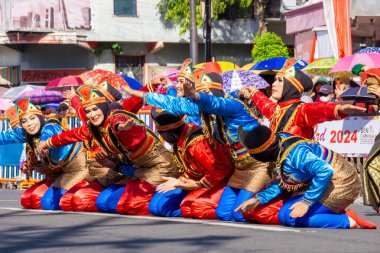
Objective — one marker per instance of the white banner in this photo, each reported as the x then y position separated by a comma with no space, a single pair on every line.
353,136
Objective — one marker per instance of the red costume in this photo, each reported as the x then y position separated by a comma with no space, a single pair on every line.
209,164
138,144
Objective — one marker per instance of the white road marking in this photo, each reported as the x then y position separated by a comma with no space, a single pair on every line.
179,220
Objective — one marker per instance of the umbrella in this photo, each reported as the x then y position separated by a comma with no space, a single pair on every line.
248,66
98,76
41,96
5,103
215,66
61,84
321,67
133,83
276,63
359,94
369,50
235,79
343,66
15,91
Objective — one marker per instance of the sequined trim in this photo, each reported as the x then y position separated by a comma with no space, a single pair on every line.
265,146
94,101
292,80
171,126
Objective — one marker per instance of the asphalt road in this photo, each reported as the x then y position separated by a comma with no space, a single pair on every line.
56,231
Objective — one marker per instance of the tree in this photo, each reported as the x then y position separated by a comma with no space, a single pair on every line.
261,5
178,11
268,46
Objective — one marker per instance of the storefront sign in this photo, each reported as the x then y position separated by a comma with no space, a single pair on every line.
353,136
46,75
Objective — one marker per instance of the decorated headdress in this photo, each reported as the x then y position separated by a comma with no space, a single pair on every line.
90,96
296,77
108,91
370,77
25,106
166,121
186,71
261,142
210,81
11,114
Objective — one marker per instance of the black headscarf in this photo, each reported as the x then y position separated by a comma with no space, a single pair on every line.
165,118
290,91
258,137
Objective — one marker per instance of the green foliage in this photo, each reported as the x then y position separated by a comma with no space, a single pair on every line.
268,46
178,11
115,47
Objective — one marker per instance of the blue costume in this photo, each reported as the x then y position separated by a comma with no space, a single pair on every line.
327,183
61,161
249,176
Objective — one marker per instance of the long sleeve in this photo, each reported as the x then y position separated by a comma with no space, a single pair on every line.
315,113
71,136
270,193
175,105
214,161
264,104
77,105
134,104
130,138
219,105
12,136
303,160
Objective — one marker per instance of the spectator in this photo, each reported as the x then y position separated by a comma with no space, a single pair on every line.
63,109
326,93
318,82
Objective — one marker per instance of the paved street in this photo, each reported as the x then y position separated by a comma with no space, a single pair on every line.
44,231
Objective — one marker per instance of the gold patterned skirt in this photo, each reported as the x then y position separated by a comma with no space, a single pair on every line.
344,187
250,174
156,163
371,182
74,172
104,172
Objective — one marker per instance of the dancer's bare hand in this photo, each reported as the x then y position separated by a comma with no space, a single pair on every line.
67,94
170,184
351,109
299,209
374,89
160,80
125,125
248,205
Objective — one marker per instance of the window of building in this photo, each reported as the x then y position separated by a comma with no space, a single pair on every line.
132,66
124,8
236,12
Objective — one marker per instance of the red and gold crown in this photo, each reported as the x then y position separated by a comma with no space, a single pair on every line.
25,106
11,114
186,71
371,77
103,88
288,71
203,81
88,96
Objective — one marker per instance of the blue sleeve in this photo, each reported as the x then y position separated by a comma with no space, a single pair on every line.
321,172
171,91
175,105
50,130
270,192
219,105
12,136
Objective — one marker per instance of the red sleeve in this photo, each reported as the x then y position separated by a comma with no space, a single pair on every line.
77,105
130,138
71,136
315,113
264,104
134,104
213,159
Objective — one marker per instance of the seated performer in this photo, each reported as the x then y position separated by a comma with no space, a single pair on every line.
122,133
249,175
324,183
64,167
205,170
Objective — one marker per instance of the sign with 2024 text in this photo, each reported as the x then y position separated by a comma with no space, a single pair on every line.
353,136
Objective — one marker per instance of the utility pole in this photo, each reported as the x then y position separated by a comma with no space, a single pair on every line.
193,33
208,30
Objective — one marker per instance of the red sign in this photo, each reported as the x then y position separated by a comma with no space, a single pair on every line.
46,75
